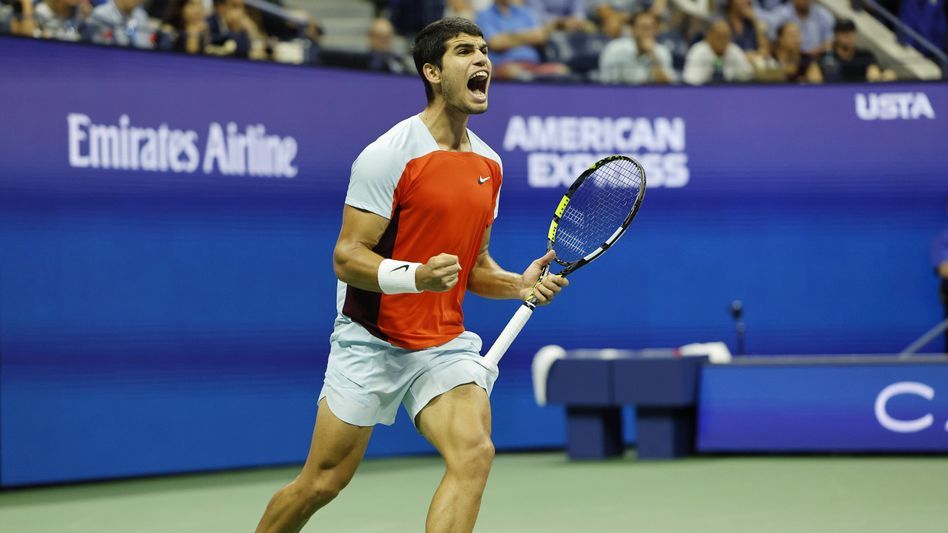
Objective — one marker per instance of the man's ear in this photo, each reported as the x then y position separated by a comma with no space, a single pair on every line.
432,74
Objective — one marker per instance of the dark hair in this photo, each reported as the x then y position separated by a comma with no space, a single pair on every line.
429,44
844,26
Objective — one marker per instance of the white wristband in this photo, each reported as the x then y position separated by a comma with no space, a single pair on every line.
397,277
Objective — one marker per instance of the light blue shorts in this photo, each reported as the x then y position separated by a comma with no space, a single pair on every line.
367,377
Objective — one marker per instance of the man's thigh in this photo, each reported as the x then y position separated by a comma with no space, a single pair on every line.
444,368
457,420
337,447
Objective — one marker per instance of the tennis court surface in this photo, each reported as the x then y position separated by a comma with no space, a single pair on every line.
541,492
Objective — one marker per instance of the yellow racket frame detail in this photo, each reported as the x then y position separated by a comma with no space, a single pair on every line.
552,234
560,209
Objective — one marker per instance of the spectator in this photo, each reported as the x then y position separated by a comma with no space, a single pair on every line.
716,58
814,22
382,56
185,28
513,34
61,19
792,64
309,35
845,62
746,31
121,23
6,14
20,19
562,15
638,59
233,32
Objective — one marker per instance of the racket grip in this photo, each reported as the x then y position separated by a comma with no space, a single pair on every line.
508,335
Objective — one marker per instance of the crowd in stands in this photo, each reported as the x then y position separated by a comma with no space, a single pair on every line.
609,41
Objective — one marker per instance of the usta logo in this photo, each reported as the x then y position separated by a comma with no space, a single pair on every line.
891,106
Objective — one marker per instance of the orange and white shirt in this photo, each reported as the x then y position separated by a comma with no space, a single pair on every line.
436,202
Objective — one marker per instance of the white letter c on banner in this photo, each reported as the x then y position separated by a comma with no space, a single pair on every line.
903,426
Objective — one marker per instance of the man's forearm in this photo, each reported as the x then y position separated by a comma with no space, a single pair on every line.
489,280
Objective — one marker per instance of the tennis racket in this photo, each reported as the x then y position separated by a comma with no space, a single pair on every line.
593,214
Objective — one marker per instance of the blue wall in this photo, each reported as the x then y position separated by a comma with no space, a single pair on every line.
815,405
157,322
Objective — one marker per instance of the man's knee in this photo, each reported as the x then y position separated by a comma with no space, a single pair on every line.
472,458
321,488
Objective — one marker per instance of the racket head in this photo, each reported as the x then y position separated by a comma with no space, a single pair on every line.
596,211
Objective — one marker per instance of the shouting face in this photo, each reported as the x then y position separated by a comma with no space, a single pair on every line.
464,76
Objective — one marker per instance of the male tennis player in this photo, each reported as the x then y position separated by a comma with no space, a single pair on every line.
415,231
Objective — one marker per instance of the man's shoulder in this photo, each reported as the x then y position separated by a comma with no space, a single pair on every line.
734,51
700,48
406,137
396,147
620,45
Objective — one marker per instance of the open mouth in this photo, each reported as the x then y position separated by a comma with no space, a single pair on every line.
477,84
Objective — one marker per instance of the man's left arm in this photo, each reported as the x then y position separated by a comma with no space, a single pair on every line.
489,280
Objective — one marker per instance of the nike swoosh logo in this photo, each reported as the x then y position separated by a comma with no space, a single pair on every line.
401,267
483,180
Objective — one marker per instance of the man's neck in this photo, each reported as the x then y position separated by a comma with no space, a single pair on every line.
447,126
802,13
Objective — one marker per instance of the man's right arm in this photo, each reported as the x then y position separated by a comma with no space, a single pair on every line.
356,264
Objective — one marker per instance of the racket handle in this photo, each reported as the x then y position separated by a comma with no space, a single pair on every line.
508,335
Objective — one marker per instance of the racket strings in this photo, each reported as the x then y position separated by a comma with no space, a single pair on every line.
597,208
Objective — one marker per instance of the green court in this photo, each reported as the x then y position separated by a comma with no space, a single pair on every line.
530,493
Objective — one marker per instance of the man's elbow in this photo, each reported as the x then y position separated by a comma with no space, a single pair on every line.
340,262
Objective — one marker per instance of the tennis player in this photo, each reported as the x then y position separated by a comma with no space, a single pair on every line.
415,231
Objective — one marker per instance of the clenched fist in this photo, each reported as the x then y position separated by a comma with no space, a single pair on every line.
439,274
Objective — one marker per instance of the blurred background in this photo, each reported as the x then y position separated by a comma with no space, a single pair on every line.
172,174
